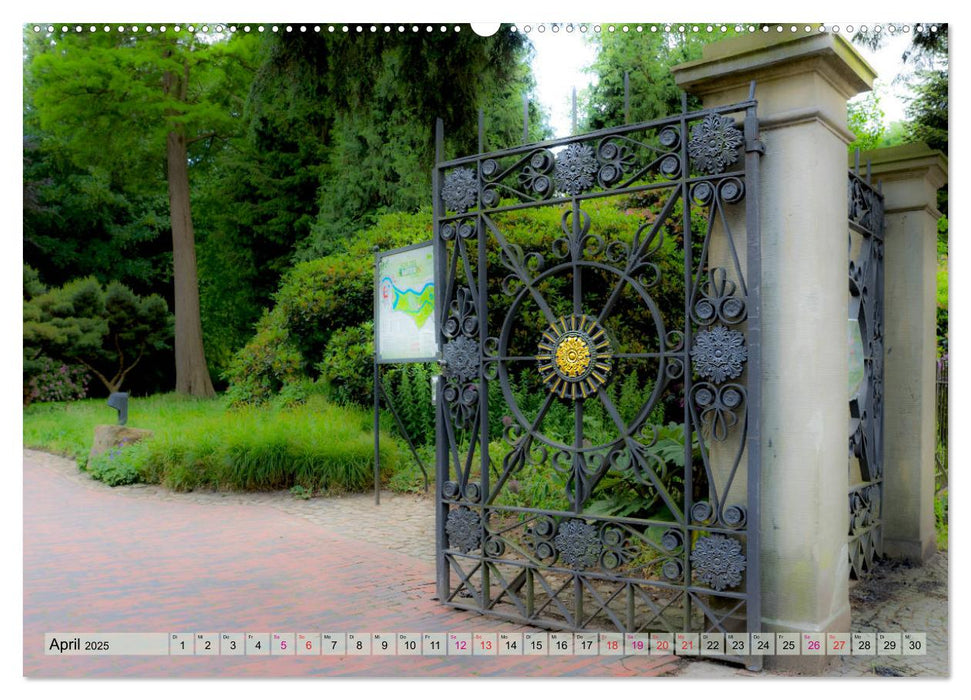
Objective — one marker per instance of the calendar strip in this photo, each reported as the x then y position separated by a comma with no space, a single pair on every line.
484,644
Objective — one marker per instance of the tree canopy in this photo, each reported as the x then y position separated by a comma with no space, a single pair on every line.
253,151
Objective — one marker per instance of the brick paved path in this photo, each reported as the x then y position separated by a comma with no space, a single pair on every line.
145,560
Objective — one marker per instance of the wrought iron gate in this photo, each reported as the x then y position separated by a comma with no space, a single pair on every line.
866,371
598,443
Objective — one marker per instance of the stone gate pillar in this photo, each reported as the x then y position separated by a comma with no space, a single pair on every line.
803,81
910,176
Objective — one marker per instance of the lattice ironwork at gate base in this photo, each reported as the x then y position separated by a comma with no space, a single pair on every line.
865,216
605,356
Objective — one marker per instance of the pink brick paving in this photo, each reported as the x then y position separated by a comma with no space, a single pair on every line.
102,560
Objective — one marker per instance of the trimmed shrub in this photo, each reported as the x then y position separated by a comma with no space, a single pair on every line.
347,367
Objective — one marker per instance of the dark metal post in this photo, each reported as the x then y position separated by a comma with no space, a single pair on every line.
377,394
626,97
525,118
481,131
685,357
441,451
753,225
573,127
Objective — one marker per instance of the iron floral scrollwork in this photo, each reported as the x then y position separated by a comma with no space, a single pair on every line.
616,161
715,299
576,167
460,191
714,143
539,538
462,400
617,549
460,356
464,529
718,407
718,561
864,509
718,354
865,206
535,176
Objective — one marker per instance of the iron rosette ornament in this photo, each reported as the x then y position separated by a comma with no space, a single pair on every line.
464,530
461,357
719,354
718,561
460,190
578,544
576,169
714,144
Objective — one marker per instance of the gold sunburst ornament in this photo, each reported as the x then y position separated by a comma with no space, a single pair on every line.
574,357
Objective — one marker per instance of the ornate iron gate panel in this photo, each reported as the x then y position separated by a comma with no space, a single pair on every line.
866,371
598,442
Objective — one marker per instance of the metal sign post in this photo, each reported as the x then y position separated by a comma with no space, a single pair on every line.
405,328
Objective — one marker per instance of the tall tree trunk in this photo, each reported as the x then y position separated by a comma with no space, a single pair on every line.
191,371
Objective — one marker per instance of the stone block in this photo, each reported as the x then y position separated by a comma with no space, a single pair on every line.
109,436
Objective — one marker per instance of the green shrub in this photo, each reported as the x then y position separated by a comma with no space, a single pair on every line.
318,300
297,393
347,367
267,363
119,465
55,381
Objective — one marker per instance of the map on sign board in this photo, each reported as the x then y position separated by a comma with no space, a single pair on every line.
405,323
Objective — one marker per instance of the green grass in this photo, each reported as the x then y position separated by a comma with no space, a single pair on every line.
202,444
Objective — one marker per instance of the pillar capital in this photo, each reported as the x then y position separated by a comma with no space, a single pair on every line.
909,175
799,77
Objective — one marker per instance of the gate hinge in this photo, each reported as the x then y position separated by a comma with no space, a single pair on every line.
755,146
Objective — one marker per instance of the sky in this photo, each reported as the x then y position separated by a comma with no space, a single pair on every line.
561,57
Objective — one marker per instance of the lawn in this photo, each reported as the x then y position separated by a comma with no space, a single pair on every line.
317,446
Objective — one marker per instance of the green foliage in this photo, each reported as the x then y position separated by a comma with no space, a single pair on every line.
348,363
320,325
109,330
408,386
300,492
894,135
268,362
864,117
386,92
118,466
940,519
55,381
942,287
202,445
648,57
622,494
409,478
297,393
336,131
